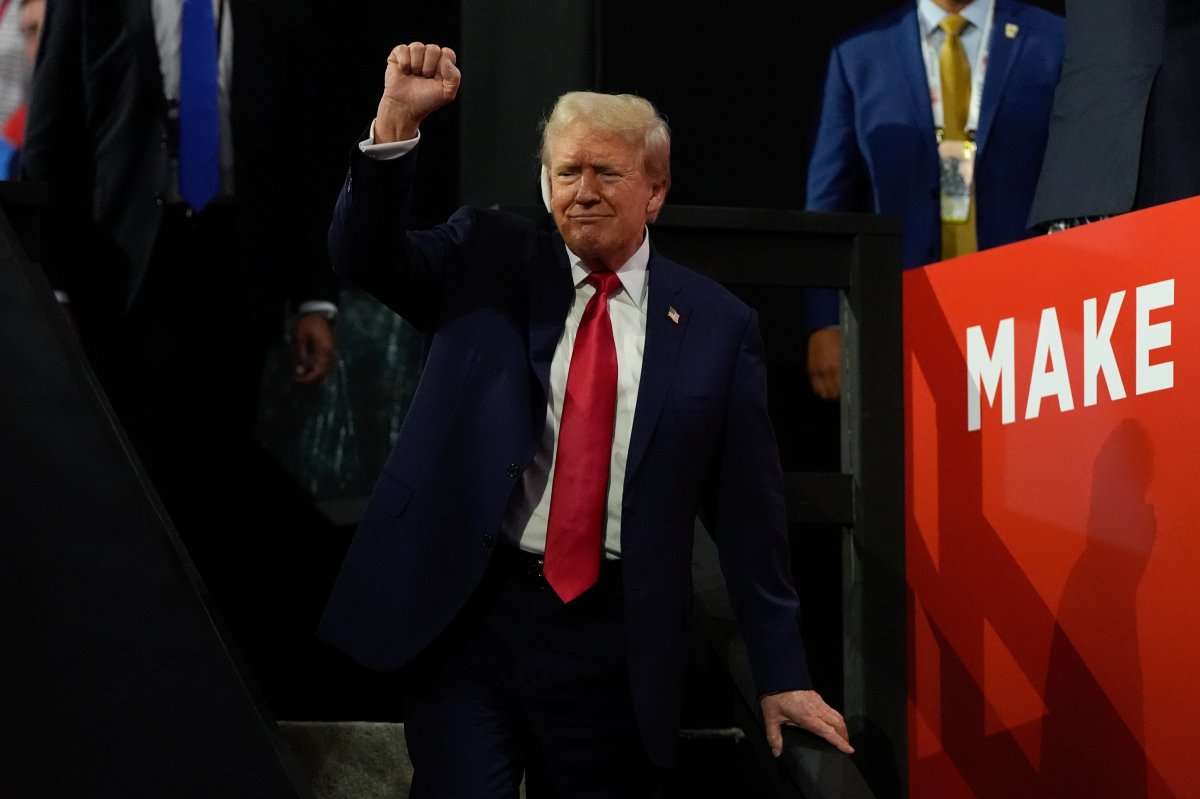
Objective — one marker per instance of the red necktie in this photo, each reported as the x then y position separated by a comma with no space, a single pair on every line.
579,498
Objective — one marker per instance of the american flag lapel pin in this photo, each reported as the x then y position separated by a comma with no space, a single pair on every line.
673,314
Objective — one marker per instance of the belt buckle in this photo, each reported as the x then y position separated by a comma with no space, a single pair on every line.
536,571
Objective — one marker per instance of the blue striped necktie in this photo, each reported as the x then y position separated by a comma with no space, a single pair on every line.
199,127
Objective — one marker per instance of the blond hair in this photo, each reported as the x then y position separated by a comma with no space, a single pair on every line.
628,115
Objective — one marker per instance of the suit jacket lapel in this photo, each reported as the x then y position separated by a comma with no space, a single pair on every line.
139,22
1001,56
550,296
664,338
912,63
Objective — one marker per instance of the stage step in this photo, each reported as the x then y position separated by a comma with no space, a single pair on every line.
350,759
369,760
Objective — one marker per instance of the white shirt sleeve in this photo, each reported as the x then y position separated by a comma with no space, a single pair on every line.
389,150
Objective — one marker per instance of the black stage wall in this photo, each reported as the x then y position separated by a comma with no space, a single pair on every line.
119,679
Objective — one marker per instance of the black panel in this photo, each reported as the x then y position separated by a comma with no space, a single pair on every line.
118,680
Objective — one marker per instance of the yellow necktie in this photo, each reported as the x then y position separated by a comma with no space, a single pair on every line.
956,79
958,238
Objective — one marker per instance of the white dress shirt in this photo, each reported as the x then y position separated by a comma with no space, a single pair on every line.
525,524
976,14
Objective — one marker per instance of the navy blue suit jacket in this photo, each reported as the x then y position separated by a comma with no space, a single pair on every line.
876,146
491,290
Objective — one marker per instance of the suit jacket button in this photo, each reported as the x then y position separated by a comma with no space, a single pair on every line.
512,470
488,540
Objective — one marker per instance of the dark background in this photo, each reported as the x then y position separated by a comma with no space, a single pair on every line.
741,88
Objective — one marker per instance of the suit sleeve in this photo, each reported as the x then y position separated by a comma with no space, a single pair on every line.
1096,129
838,179
750,528
371,246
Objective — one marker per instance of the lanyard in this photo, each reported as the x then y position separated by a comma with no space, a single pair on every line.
934,76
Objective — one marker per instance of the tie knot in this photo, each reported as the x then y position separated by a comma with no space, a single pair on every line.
953,24
605,282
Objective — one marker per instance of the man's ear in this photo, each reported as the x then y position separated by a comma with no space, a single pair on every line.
658,197
545,183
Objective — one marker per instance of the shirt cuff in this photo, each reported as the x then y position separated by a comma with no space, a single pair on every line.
322,307
388,150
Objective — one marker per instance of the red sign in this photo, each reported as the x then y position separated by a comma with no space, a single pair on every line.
1053,514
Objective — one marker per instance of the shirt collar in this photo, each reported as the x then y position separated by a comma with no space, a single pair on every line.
931,14
632,273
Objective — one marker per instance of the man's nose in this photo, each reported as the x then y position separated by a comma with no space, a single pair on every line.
589,187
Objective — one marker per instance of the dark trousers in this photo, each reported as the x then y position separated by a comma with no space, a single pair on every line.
523,685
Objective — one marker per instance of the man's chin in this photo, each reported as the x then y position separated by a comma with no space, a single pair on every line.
586,243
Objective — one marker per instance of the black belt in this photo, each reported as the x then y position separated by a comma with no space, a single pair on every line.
529,566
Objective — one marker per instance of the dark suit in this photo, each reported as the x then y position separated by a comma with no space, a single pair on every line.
491,292
96,134
175,313
876,148
1126,116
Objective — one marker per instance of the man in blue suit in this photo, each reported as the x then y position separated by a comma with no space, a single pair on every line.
456,572
883,133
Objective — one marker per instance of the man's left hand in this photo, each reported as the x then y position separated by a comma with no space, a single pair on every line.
312,343
807,710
